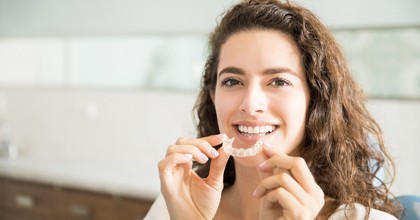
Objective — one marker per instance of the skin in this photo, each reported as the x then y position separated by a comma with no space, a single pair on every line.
264,85
260,82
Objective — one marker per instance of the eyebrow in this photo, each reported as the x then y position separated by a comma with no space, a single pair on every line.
269,71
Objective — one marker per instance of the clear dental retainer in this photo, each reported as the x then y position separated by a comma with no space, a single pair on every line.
241,152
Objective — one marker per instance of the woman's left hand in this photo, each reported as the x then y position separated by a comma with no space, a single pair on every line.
288,188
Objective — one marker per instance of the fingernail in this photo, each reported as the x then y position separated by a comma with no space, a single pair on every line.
263,163
214,152
204,157
268,145
255,193
258,193
222,136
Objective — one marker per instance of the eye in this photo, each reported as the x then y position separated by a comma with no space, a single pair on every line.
229,82
280,82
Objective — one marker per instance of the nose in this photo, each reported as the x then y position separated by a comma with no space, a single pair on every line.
254,100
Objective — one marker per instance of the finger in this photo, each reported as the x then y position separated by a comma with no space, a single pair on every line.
313,202
205,144
281,180
173,169
307,191
166,165
296,165
217,169
214,140
188,149
269,151
292,209
175,163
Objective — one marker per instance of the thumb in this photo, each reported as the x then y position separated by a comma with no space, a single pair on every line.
267,153
217,169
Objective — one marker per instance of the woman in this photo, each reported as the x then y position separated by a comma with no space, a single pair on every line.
276,76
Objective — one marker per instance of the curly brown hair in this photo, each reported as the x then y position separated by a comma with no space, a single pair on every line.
343,145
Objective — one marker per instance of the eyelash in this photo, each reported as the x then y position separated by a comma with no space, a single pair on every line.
283,81
230,82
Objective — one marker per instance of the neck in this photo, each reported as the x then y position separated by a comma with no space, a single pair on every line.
247,179
241,192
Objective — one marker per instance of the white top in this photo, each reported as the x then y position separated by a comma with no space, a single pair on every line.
158,211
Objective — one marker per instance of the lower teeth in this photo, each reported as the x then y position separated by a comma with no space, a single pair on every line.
256,134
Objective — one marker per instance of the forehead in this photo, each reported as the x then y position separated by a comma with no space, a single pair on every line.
259,49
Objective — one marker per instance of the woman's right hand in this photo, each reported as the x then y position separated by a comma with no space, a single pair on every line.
187,195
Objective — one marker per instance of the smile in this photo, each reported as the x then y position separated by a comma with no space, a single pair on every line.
255,130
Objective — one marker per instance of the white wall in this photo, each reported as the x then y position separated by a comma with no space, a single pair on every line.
97,124
401,127
119,125
57,17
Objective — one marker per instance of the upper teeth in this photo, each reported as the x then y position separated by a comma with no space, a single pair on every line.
256,129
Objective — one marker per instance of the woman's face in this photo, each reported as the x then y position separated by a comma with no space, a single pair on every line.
261,91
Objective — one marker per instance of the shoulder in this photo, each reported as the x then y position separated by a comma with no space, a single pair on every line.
158,211
358,211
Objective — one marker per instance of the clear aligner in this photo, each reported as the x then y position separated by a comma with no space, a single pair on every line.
241,152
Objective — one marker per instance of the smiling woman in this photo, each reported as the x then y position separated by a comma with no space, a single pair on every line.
262,77
276,77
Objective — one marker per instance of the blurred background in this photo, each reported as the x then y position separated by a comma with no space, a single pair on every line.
93,92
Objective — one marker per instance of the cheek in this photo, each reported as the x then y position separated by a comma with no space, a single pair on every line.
226,107
293,113
297,106
296,112
221,106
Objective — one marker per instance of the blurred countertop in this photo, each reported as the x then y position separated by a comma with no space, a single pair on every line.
135,179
